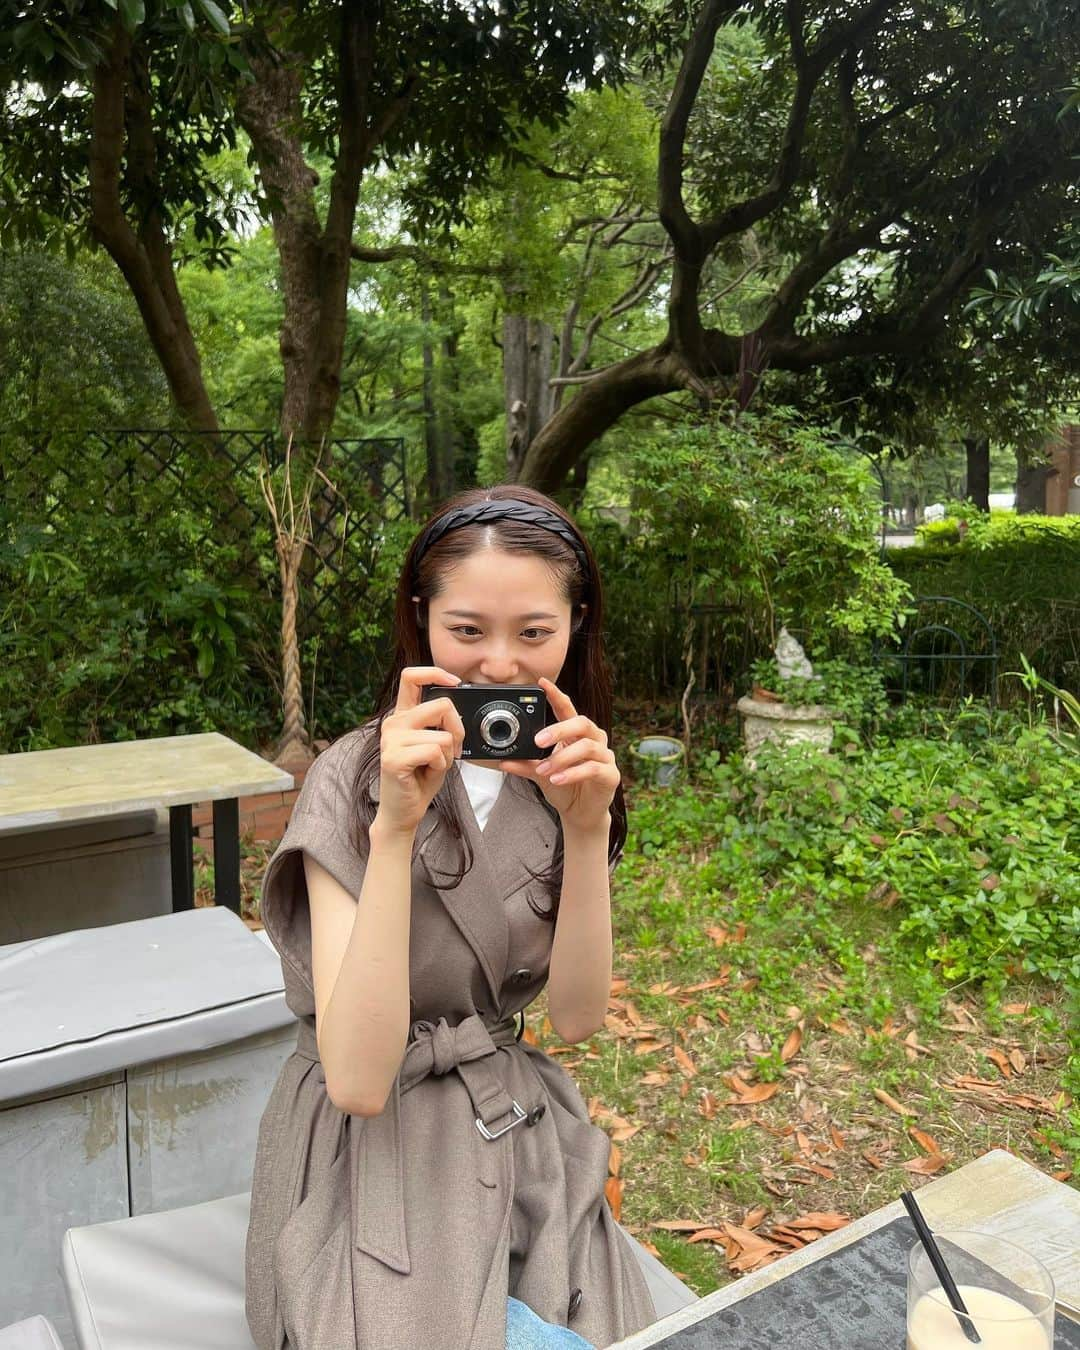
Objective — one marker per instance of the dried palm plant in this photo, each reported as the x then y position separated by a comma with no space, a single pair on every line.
292,535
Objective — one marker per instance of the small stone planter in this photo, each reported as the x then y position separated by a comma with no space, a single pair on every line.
783,723
659,759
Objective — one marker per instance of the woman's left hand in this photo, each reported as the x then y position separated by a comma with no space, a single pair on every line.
579,779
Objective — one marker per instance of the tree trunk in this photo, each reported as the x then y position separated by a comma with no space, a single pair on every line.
1030,486
121,131
595,407
460,443
527,353
438,443
578,482
977,449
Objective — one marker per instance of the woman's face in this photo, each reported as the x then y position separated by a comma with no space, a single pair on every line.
501,618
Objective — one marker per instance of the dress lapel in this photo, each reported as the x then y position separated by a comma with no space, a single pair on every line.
520,837
475,905
519,841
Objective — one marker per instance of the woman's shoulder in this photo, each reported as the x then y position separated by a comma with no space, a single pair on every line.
333,773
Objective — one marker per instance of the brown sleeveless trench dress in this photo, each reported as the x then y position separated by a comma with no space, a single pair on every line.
408,1230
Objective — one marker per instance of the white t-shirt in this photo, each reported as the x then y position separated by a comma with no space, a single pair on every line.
483,786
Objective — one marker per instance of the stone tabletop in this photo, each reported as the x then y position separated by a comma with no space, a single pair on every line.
41,788
997,1194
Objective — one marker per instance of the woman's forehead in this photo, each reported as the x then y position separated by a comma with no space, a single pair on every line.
494,581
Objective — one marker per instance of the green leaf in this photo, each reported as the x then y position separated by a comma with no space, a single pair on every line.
215,15
132,13
205,662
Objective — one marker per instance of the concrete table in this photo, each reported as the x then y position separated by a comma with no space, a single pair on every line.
43,788
997,1194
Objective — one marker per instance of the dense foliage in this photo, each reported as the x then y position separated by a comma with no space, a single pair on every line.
959,833
736,528
1019,572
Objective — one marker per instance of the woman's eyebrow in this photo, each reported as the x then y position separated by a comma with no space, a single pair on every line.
472,614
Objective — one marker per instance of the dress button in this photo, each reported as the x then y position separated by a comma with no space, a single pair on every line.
575,1304
522,976
536,1115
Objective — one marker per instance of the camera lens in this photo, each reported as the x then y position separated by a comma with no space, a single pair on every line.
499,727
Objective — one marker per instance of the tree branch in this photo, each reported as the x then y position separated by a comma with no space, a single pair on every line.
810,66
674,215
159,304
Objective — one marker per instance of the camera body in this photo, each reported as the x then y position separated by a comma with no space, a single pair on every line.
501,720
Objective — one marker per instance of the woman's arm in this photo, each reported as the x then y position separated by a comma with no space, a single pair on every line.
579,980
360,965
360,946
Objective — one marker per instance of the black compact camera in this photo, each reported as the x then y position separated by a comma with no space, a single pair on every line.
501,720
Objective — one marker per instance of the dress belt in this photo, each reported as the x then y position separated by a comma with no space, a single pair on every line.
376,1160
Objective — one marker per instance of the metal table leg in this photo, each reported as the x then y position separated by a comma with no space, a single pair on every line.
181,859
227,853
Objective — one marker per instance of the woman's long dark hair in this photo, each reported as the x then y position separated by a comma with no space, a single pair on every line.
585,676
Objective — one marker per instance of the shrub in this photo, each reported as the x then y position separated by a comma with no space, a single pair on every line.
737,528
1020,572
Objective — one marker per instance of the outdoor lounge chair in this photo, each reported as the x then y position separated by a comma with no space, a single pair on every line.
33,1333
175,1281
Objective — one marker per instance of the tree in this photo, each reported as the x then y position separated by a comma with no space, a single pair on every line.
916,145
114,108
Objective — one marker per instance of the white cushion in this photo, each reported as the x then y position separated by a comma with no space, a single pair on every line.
175,1281
95,1000
36,1333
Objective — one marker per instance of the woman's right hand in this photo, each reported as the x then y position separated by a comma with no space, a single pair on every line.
419,743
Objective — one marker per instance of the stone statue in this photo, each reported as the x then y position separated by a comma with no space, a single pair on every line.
791,660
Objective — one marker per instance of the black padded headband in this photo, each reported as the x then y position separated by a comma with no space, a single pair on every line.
503,508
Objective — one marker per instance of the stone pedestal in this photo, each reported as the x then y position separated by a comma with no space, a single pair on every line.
784,724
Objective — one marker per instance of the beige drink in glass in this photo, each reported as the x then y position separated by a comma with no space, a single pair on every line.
1007,1291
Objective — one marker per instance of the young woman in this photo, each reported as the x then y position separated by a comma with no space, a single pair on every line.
425,1180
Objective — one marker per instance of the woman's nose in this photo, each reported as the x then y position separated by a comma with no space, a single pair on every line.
499,665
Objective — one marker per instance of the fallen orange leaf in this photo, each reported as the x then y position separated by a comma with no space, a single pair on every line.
685,1062
926,1142
678,1225
828,1222
613,1189
1002,1063
622,1133
708,1235
614,1159
926,1167
890,1102
760,1092
792,1045
818,1170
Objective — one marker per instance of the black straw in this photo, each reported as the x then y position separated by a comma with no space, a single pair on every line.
940,1268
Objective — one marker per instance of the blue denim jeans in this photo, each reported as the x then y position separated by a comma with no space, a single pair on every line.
526,1331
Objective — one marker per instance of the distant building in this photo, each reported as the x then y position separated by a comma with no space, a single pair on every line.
1063,479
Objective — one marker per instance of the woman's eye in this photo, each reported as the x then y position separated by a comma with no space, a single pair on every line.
465,630
536,633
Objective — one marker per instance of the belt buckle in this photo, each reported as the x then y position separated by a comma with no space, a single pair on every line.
519,1116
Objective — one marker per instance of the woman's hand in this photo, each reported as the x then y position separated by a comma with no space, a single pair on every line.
579,779
419,742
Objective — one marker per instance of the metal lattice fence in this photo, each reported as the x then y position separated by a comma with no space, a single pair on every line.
948,651
189,500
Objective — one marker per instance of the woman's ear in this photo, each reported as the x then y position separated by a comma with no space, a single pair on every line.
421,612
577,619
